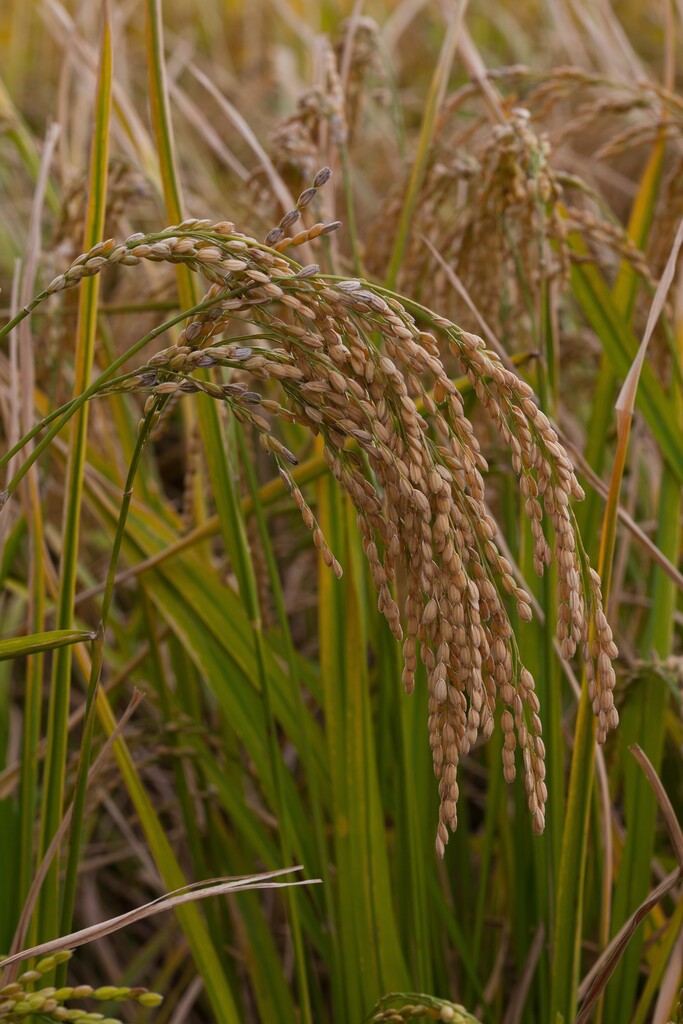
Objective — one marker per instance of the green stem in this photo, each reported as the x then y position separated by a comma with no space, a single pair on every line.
350,211
238,546
95,672
569,906
437,90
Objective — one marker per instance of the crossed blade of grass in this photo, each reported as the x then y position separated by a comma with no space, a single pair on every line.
19,997
189,893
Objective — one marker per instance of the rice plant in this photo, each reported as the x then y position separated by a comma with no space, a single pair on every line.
382,451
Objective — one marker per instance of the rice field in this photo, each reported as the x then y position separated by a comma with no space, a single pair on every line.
341,410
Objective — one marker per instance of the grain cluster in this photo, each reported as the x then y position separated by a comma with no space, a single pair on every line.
21,1000
366,372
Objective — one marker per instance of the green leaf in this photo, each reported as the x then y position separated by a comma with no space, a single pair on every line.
60,688
21,646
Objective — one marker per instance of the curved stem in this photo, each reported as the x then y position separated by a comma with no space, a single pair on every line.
73,406
51,417
23,313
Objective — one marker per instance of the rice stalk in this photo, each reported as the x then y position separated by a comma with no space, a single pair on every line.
54,780
523,239
339,383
